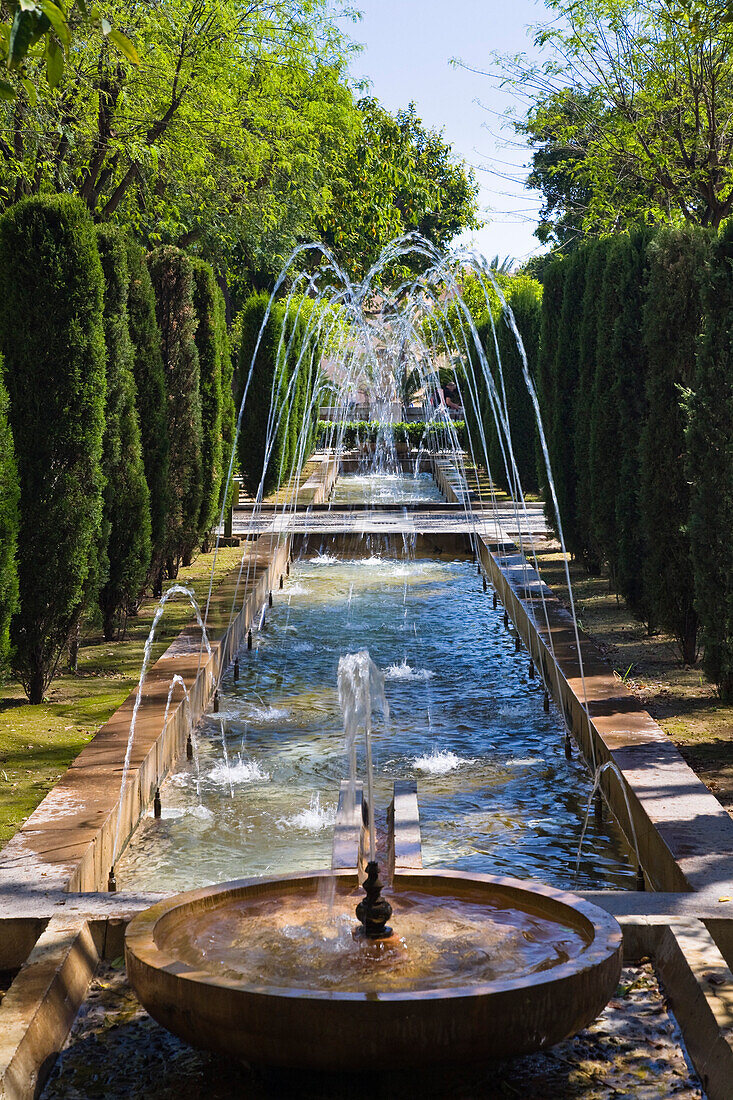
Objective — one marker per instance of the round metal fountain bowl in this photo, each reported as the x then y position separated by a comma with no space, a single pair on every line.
342,1031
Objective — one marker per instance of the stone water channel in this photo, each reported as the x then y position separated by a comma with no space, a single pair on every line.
495,791
496,794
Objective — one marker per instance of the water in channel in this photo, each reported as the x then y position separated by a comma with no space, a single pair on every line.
496,793
403,488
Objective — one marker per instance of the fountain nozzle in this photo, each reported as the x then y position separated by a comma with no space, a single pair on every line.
112,881
374,911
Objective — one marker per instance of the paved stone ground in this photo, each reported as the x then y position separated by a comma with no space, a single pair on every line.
116,1052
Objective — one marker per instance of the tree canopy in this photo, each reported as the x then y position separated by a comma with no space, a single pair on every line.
629,115
398,177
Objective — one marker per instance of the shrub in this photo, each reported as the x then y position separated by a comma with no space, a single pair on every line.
710,469
52,337
9,520
171,273
150,396
211,342
672,324
125,536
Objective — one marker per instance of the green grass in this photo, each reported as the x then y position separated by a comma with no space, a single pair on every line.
37,743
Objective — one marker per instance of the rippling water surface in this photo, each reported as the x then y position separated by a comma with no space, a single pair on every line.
386,489
495,790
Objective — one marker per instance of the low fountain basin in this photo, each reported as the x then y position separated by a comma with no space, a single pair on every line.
331,1029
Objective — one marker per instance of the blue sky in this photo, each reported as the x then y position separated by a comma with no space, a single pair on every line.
408,46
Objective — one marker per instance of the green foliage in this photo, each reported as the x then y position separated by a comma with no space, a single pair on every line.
400,177
171,274
150,395
213,350
605,441
278,397
597,254
552,297
629,395
678,259
525,301
564,382
229,134
125,534
52,340
710,470
9,520
352,433
629,115
44,31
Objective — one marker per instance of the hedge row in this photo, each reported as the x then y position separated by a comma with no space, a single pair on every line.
351,434
636,387
278,362
496,392
115,403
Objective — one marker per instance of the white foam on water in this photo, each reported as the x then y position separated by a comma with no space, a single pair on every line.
243,771
524,761
324,559
298,589
404,671
263,715
441,762
313,820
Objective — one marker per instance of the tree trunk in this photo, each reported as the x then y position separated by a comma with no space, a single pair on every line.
35,686
74,639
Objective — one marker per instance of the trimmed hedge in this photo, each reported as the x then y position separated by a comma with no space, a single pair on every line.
125,546
150,396
9,520
672,320
52,340
171,273
213,351
351,433
710,469
282,377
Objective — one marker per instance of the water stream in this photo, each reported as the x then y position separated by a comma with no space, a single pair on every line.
496,793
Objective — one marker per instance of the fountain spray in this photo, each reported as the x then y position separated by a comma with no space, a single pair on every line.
361,686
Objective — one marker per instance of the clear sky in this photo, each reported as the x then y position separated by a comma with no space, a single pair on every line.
408,46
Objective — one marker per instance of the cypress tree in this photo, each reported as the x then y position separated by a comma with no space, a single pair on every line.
267,386
525,300
150,396
125,535
710,469
672,324
605,442
597,252
565,389
52,337
9,520
171,273
211,343
629,390
552,299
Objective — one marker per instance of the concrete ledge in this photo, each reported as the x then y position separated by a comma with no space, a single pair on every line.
700,990
68,842
41,1004
405,845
